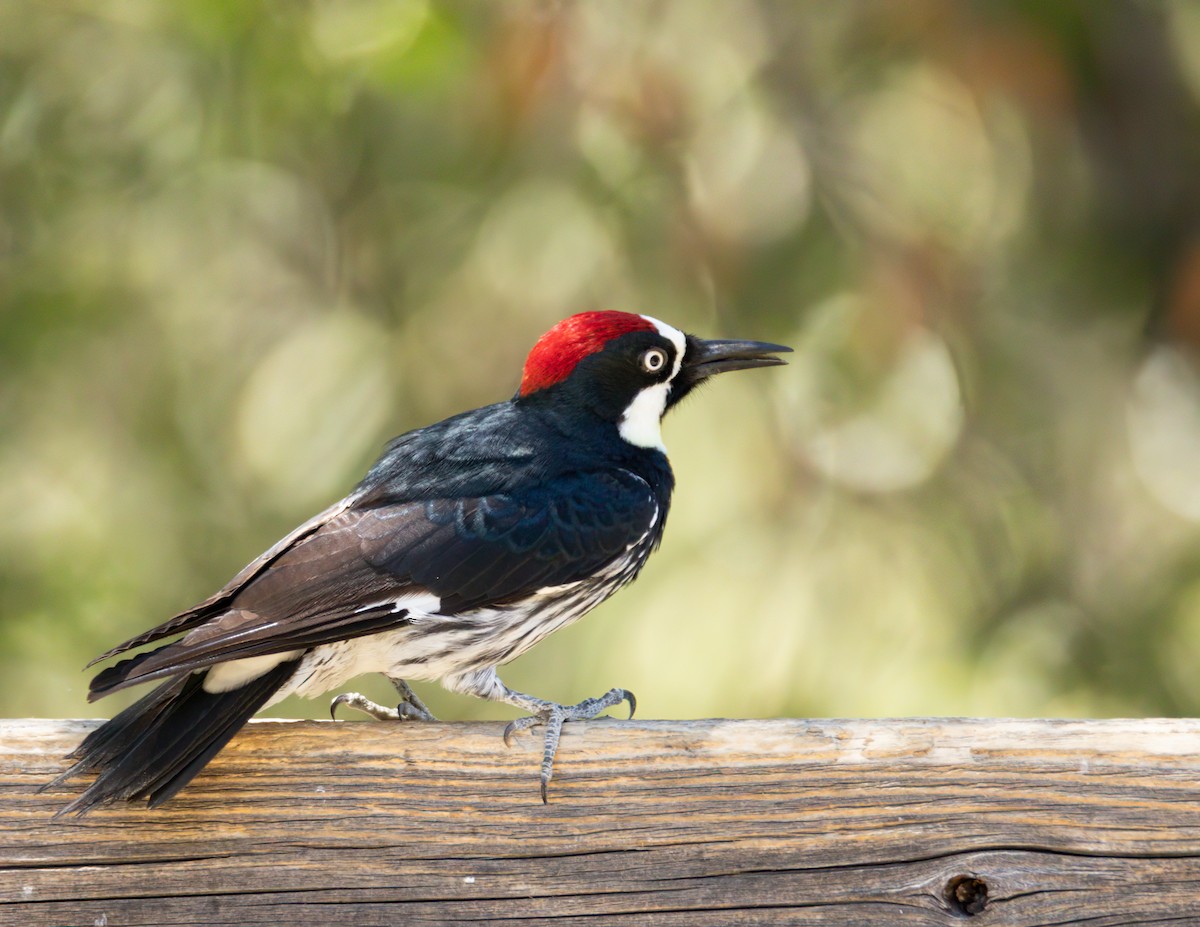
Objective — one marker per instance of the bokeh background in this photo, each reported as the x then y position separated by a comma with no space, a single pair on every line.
242,244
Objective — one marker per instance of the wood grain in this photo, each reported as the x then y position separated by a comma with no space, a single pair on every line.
907,822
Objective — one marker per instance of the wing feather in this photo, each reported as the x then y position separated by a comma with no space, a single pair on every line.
215,604
492,550
341,575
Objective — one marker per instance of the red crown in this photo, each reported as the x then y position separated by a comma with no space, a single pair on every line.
571,340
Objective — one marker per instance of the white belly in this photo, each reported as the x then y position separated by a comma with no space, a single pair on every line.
435,646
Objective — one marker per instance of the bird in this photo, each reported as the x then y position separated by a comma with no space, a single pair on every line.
467,542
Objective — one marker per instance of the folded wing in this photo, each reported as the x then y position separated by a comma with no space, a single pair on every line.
352,572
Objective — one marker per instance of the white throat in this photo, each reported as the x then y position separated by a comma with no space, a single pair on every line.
641,423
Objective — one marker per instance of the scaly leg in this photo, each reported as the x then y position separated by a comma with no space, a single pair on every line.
488,685
411,708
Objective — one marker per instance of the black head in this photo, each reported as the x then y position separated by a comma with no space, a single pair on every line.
630,369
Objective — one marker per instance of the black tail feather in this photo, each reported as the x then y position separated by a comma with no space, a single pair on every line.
154,747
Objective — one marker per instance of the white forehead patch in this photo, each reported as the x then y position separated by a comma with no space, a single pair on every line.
673,335
641,423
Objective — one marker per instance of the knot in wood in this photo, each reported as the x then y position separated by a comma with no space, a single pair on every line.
966,895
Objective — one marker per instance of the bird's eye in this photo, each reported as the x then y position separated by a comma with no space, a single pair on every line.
654,360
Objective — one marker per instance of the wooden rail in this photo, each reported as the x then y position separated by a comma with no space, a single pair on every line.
651,823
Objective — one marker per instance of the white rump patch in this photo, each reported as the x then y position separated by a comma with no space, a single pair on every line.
328,665
227,676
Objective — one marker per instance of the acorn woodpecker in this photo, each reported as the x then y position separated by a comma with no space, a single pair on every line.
466,543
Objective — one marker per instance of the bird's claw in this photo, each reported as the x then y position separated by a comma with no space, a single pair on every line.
520,726
407,710
553,716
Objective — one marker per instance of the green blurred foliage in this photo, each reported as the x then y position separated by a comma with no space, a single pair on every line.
242,243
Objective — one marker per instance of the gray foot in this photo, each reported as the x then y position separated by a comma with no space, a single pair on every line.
411,708
554,716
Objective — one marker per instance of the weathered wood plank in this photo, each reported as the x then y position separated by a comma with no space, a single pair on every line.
650,823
